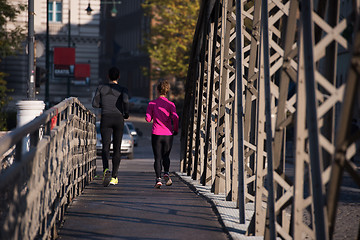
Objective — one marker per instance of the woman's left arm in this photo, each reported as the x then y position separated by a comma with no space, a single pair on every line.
175,119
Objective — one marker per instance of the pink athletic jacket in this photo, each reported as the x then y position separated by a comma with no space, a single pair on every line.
162,111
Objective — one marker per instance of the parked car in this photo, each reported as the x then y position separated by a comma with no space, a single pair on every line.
133,132
127,143
138,104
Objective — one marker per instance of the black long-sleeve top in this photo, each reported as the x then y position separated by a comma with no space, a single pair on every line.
112,99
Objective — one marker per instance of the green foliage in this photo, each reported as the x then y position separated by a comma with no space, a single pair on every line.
10,39
4,99
10,42
171,35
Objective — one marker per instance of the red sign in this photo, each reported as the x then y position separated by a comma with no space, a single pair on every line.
82,71
81,74
64,56
64,61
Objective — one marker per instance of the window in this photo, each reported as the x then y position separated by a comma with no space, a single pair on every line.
55,11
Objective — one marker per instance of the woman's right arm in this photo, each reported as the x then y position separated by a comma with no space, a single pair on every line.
125,101
149,112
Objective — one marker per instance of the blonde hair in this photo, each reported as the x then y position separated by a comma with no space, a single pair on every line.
163,87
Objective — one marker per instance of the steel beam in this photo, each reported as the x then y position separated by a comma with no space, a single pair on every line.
341,161
286,90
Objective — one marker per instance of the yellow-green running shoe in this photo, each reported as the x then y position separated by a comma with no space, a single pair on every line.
106,177
114,181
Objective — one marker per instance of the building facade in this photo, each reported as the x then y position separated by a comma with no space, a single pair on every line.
70,25
112,35
122,36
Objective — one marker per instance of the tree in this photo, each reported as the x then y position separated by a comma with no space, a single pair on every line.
11,39
171,34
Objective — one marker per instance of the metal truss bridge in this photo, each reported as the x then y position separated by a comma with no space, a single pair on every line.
272,110
272,120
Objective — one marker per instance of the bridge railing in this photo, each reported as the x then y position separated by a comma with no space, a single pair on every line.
266,83
40,183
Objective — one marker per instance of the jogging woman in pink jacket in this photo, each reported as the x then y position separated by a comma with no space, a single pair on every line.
165,124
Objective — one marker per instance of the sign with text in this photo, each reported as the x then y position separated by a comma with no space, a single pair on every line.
64,61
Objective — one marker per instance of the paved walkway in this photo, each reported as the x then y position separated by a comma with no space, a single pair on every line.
135,210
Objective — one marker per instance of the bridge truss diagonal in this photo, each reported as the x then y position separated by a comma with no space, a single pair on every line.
272,94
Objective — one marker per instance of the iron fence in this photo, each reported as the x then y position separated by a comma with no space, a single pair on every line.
40,183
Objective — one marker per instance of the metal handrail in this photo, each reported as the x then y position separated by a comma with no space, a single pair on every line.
13,137
37,188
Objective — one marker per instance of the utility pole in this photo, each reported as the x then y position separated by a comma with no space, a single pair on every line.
28,109
47,60
31,41
69,45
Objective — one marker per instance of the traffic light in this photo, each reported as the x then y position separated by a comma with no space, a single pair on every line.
40,78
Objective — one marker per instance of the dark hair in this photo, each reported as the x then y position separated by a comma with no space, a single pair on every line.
163,87
114,73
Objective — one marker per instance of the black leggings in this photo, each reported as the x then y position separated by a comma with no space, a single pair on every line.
111,124
161,147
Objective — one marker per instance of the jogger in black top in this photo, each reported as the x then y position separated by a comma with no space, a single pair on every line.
111,124
114,103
